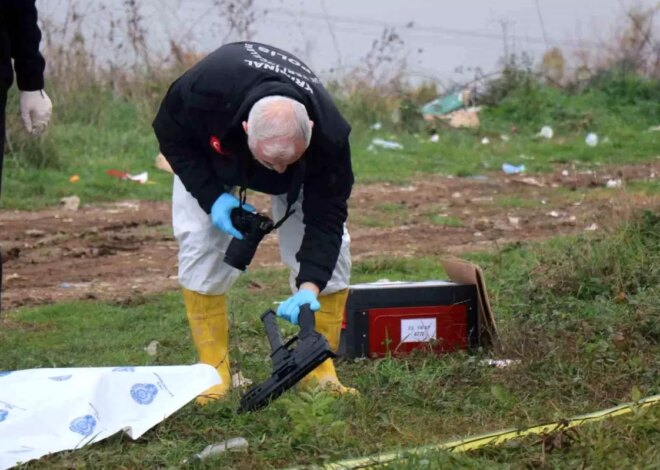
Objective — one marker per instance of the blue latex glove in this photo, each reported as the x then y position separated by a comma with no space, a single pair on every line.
290,308
221,211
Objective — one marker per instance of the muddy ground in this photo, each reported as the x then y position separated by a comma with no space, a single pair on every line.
123,250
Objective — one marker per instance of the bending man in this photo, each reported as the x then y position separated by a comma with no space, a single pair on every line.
251,116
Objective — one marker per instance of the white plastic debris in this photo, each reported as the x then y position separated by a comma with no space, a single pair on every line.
500,363
531,181
43,411
592,227
485,141
71,203
141,178
435,138
614,183
34,232
376,126
237,443
591,140
504,137
565,173
512,169
152,349
553,214
12,277
386,144
238,380
546,132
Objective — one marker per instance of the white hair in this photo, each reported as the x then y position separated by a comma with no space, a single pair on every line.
279,117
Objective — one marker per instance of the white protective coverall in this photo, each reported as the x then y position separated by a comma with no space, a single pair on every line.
202,246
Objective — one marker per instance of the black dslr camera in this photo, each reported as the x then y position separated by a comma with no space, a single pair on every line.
254,227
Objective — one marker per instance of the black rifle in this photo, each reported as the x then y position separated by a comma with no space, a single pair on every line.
290,364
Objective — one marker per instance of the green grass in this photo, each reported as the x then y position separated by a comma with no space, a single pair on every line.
582,347
446,220
113,137
508,202
93,131
624,442
651,188
460,153
387,214
559,196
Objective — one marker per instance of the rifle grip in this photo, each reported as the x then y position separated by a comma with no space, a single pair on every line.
306,320
269,320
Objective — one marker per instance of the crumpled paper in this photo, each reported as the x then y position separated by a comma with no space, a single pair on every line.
49,410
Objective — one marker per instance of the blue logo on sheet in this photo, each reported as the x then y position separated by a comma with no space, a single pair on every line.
3,415
5,372
144,394
123,369
60,378
84,425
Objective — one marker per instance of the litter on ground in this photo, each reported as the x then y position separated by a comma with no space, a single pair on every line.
141,178
71,203
385,144
591,140
510,169
235,444
546,132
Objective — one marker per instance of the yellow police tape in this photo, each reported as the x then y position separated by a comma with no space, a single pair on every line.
495,438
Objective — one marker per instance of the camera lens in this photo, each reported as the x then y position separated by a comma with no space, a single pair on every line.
254,227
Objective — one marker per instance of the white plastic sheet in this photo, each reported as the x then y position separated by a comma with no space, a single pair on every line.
49,410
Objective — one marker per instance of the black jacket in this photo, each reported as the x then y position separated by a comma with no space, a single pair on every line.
199,131
19,40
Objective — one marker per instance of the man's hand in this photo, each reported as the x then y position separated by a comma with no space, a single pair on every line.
221,214
290,308
36,109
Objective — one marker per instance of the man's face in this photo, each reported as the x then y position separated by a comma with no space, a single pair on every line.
277,153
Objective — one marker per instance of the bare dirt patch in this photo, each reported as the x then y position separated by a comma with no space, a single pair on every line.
125,250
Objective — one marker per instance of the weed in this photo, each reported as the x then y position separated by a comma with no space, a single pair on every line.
578,353
446,220
618,265
313,416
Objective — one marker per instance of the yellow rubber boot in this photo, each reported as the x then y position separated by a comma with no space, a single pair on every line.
207,316
328,322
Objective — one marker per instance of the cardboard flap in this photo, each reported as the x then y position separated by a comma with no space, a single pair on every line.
465,272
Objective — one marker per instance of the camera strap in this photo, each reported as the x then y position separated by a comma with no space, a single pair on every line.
291,195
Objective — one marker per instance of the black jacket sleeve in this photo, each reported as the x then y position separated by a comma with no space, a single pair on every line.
177,144
325,207
24,37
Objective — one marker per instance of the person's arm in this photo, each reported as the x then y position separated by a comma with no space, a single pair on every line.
177,144
325,207
29,64
25,36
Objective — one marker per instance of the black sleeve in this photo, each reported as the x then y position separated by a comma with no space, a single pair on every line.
24,35
176,143
325,207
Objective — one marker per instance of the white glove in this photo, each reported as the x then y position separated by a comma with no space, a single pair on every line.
36,109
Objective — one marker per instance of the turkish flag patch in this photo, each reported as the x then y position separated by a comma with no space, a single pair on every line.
216,145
